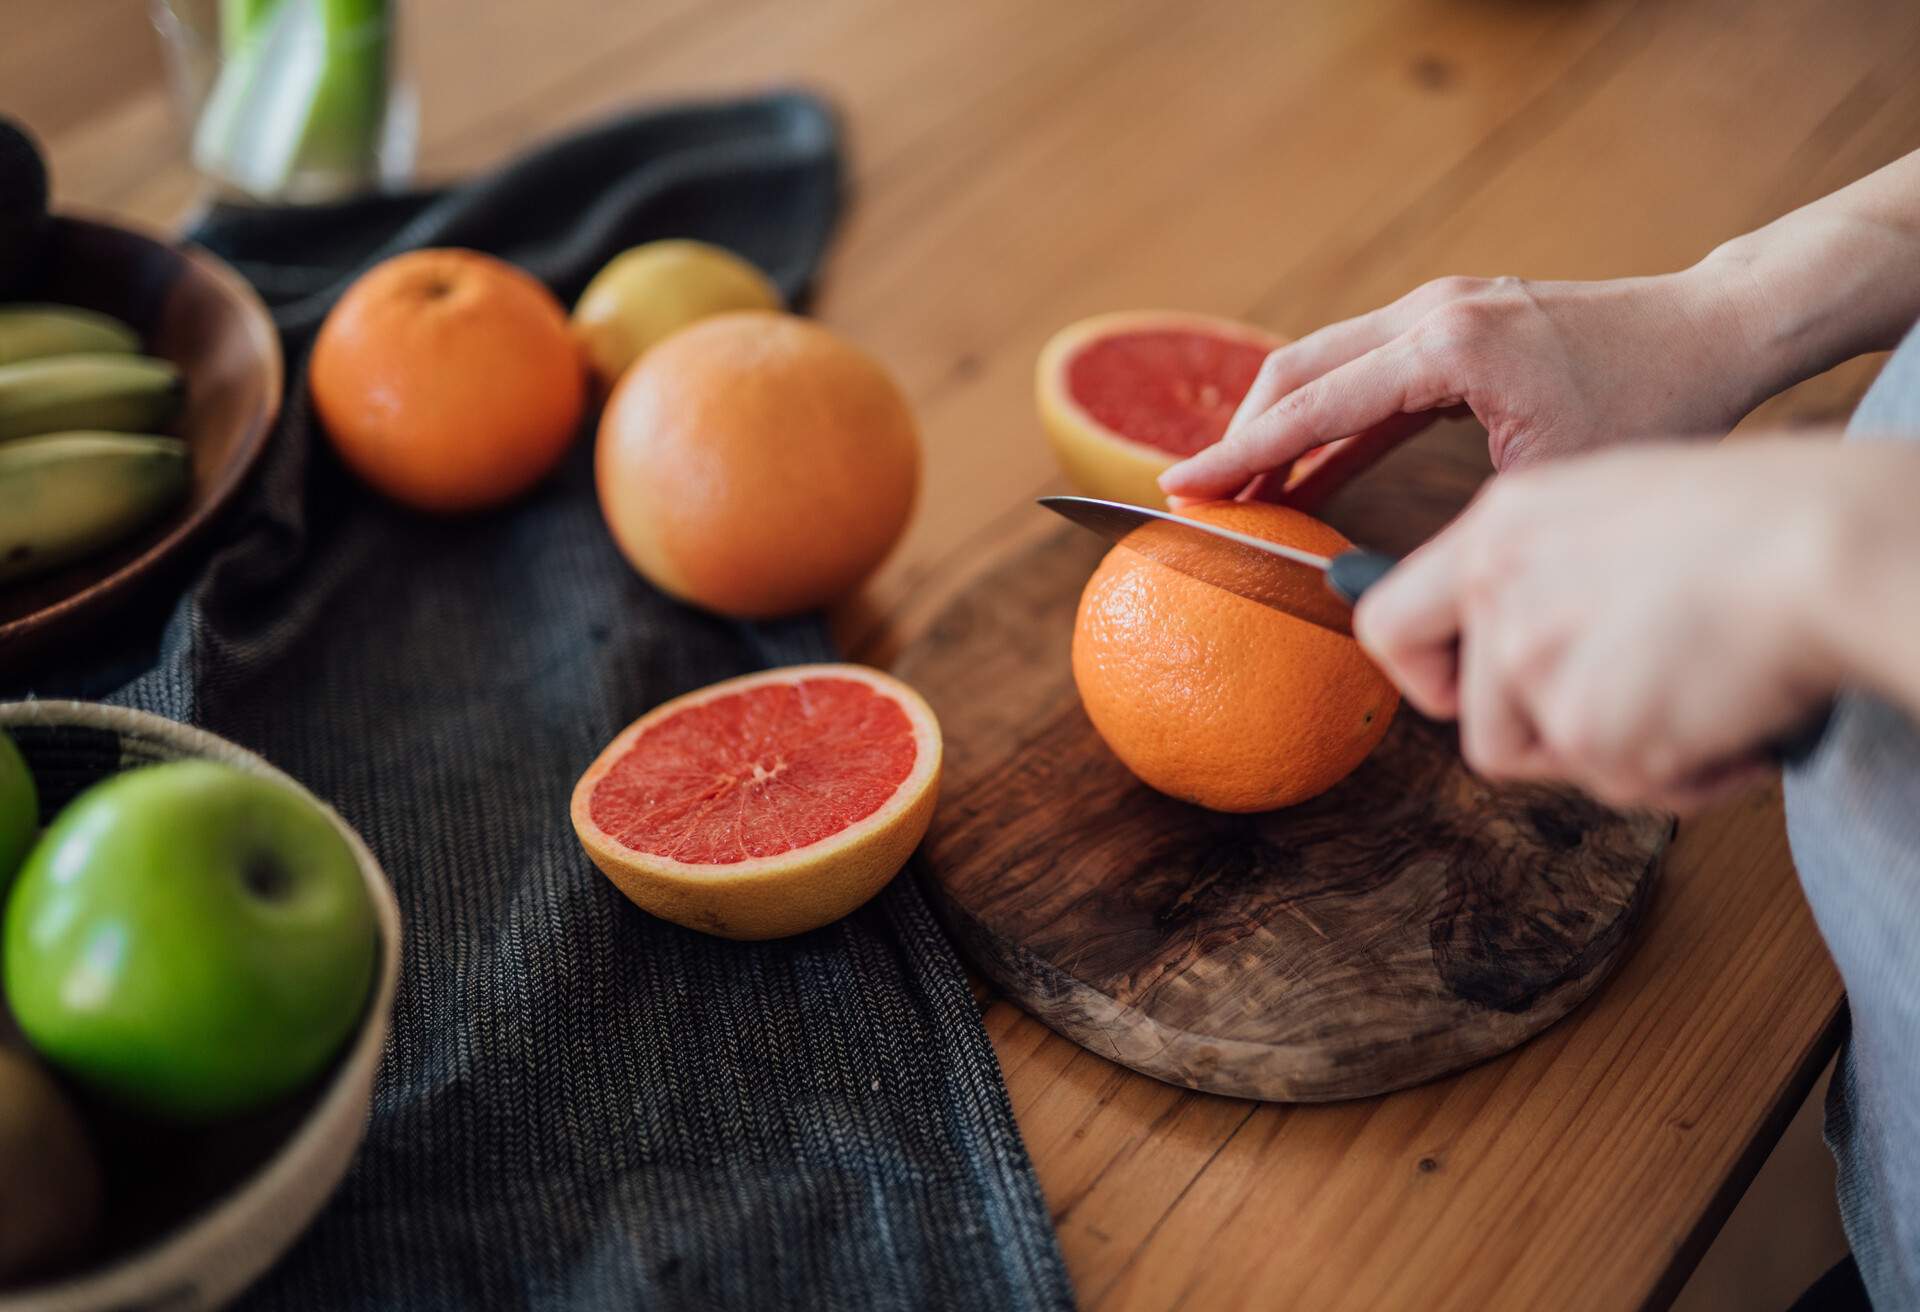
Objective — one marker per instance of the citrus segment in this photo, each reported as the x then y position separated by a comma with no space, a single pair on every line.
764,805
1125,396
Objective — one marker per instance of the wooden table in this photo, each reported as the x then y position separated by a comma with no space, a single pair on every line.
1018,165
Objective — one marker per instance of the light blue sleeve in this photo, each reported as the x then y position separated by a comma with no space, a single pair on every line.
1853,816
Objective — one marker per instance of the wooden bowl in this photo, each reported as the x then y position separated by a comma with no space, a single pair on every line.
197,1214
190,307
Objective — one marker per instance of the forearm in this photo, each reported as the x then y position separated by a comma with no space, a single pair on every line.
1827,282
1863,596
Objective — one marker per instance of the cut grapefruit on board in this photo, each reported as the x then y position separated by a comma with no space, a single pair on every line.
765,805
1124,396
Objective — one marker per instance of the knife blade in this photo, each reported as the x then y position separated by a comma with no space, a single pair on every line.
1319,589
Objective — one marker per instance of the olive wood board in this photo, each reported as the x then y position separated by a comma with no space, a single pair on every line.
1411,921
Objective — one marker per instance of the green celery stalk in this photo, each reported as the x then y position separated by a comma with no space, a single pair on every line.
301,100
342,130
240,21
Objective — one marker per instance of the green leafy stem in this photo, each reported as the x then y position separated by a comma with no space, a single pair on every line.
301,95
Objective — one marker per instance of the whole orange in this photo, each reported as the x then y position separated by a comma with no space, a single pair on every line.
448,379
756,464
1218,700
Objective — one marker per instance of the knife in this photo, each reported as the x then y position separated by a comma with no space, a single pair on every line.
1319,589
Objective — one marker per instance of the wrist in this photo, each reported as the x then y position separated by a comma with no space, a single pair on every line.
1808,292
1748,354
1758,313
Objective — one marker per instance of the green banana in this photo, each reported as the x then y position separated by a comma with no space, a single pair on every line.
29,332
66,496
126,393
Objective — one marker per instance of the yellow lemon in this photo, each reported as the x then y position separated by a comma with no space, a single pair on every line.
651,291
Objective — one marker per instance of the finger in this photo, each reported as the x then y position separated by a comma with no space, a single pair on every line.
1300,362
1497,737
1264,487
1410,623
1391,380
1313,479
1270,486
1326,349
1428,677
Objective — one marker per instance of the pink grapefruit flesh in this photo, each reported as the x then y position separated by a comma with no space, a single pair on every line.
757,773
765,805
1124,396
1173,389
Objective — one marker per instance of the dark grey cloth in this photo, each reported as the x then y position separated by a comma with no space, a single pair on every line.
582,1106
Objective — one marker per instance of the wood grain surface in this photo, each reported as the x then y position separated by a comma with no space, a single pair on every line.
1018,165
1409,922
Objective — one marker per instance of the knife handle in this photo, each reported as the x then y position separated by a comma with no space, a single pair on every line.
1351,573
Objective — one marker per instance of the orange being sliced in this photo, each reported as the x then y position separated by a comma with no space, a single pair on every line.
1215,699
765,805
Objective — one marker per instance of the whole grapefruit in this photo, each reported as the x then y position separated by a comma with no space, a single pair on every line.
448,380
1218,700
757,465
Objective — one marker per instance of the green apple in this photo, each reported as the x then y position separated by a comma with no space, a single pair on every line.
19,809
189,940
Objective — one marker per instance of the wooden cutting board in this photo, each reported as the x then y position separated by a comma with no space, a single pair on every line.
1411,921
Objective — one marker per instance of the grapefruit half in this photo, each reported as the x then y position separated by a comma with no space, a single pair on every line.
765,805
1123,396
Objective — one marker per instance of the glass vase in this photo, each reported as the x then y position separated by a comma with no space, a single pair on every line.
290,101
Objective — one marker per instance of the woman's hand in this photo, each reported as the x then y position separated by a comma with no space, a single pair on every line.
1557,368
1640,623
1551,369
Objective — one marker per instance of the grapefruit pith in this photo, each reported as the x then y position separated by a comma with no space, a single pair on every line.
1124,396
765,805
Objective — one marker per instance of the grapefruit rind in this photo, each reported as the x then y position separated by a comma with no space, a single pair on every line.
1098,461
790,892
757,465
